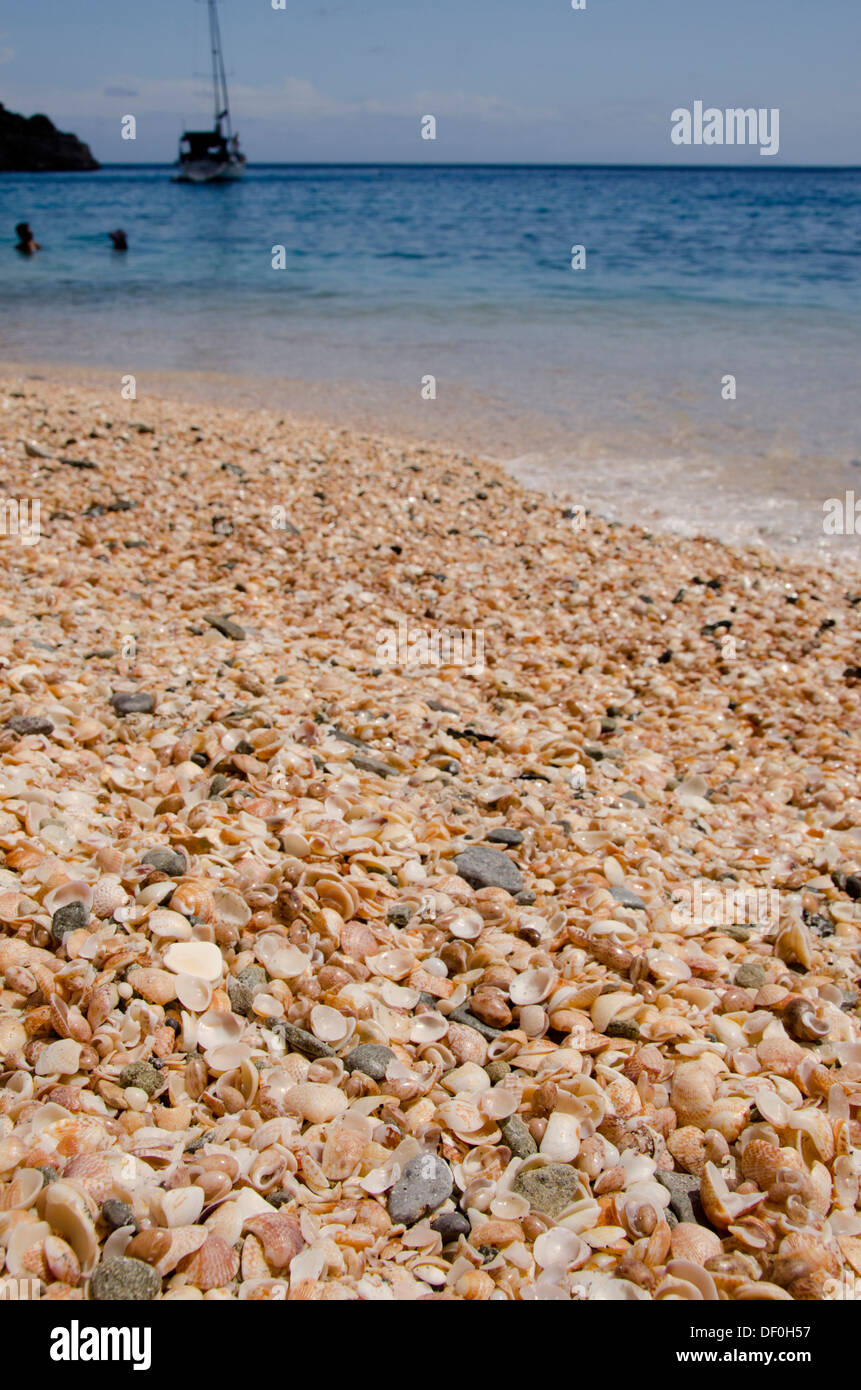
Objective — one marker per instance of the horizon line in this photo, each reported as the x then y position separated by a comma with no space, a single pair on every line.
453,164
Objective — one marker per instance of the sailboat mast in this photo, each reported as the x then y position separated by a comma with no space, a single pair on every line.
219,77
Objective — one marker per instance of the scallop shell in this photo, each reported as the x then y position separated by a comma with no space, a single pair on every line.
279,1234
157,986
762,1162
164,1249
213,1266
693,1093
689,1241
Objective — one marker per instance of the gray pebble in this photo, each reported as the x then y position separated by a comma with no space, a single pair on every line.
71,917
625,896
481,867
526,898
370,1058
25,724
502,835
549,1189
462,1015
399,914
117,1214
451,1225
424,1185
252,976
681,1187
225,626
751,975
125,1280
497,1070
133,702
143,1075
240,996
515,1134
166,861
298,1040
622,1028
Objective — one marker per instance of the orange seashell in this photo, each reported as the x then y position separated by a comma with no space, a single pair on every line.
253,1264
213,1266
92,1174
80,1134
721,1206
762,1162
693,1094
357,941
193,899
780,1055
163,1249
689,1241
280,1236
61,1260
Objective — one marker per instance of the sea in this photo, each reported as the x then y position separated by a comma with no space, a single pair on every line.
680,347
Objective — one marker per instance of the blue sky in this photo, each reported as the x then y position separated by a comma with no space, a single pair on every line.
508,80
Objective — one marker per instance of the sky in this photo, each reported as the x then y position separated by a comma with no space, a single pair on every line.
508,81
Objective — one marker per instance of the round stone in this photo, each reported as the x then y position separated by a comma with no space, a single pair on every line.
117,1214
450,1225
142,1075
752,975
132,702
515,1134
549,1189
424,1185
166,861
125,1280
488,868
370,1058
70,917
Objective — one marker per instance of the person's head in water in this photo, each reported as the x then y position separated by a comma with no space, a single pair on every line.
120,240
27,243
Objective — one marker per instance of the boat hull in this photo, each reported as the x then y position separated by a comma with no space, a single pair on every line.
210,170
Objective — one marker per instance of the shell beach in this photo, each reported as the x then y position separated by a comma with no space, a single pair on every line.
325,976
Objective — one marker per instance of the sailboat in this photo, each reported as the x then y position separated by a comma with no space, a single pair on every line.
212,156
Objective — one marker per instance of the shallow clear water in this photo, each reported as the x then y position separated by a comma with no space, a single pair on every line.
605,382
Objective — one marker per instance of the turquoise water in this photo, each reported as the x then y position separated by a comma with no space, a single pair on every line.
393,273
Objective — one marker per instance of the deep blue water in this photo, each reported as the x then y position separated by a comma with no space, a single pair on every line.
393,272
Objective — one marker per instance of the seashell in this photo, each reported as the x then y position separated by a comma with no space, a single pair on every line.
164,1249
193,899
763,1163
59,1058
218,1027
213,1266
253,1262
25,1237
689,1241
63,1264
721,1206
181,1206
428,1028
394,965
92,1174
280,1235
315,1101
164,924
688,1147
156,986
692,1095
561,1139
72,891
67,1214
328,1024
192,992
228,908
108,895
688,1272
281,960
22,1191
201,959
532,986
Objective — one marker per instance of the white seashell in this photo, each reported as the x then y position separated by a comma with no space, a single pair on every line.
468,1078
772,1109
498,1103
316,1102
155,893
23,1238
75,891
227,1057
399,996
59,1059
460,1115
533,1020
328,1025
230,907
281,960
267,1006
394,965
217,1028
199,958
561,1139
428,1028
228,1219
509,1206
532,986
560,1249
165,923
467,925
181,1206
193,993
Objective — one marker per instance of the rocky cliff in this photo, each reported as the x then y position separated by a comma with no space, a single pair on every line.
35,145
